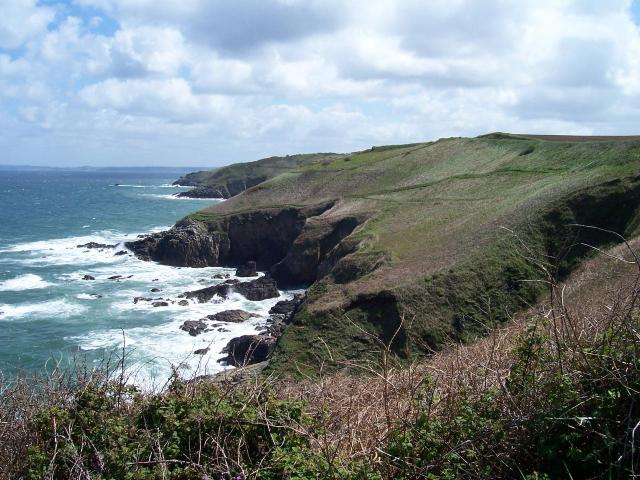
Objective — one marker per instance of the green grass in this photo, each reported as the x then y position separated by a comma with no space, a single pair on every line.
436,212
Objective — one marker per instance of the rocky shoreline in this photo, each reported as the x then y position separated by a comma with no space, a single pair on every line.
296,246
245,349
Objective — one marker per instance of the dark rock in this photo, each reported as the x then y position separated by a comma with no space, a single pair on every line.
155,289
120,252
263,237
218,275
232,281
183,303
115,277
247,270
96,245
205,294
187,244
249,349
155,279
231,316
160,304
258,289
201,351
88,277
141,299
287,308
194,327
276,327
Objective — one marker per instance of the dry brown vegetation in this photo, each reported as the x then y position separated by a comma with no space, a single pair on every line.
470,411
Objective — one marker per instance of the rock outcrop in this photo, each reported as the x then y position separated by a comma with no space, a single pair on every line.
189,244
296,245
231,316
249,349
203,295
258,289
247,270
194,327
286,309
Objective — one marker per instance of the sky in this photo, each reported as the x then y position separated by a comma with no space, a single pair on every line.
211,82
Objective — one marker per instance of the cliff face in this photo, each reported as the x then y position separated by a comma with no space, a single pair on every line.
407,242
227,189
296,245
229,181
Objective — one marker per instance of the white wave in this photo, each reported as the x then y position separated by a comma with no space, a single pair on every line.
164,185
24,282
155,350
65,251
50,309
175,197
87,296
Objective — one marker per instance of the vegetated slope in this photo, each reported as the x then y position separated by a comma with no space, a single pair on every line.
231,180
428,240
551,395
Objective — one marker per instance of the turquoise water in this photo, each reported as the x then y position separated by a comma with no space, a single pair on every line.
50,314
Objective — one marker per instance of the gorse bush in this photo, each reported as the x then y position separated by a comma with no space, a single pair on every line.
552,395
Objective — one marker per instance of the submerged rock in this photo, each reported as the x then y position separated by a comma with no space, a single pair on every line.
249,349
120,252
88,277
183,303
96,245
247,270
160,304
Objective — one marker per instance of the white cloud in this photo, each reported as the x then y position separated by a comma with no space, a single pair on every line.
22,20
222,81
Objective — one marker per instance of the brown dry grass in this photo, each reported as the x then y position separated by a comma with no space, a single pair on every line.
362,411
356,415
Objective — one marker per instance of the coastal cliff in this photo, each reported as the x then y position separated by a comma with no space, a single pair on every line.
229,181
415,244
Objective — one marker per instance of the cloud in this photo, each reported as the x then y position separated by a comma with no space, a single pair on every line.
22,20
213,81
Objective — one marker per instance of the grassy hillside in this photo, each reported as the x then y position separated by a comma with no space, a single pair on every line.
436,235
231,180
554,394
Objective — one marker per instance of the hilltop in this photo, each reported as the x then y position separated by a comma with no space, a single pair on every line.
233,179
416,243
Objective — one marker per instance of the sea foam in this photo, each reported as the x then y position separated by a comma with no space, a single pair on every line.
23,282
52,309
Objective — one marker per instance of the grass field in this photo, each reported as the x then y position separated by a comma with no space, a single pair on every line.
441,232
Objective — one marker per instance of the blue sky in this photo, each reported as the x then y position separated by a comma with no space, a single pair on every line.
209,82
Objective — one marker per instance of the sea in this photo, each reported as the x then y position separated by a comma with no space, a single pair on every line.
53,319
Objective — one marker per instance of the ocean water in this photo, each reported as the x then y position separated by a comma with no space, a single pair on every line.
50,316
